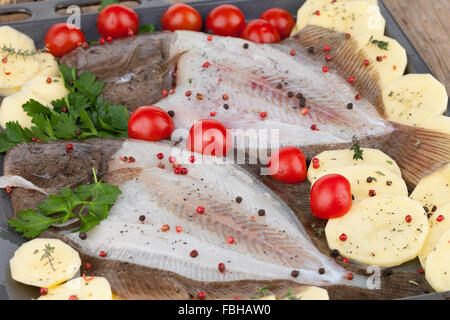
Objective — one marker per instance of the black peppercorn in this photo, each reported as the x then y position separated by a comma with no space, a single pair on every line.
171,113
226,107
261,212
311,49
334,253
349,105
295,273
141,218
83,235
246,45
321,270
238,199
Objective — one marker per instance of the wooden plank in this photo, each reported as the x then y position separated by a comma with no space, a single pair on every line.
426,25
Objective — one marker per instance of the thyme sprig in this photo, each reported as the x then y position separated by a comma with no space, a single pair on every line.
48,254
10,51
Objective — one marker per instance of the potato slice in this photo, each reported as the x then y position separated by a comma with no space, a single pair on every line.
377,231
4,92
355,17
381,180
344,157
17,70
308,9
394,59
434,189
11,38
309,293
437,229
48,66
30,265
39,86
414,98
11,108
82,288
438,265
440,124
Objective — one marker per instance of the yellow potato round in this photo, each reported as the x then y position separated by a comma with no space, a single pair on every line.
379,177
434,189
439,124
38,86
308,9
377,231
89,288
356,18
438,265
48,66
414,98
437,229
344,157
394,61
11,108
30,265
11,38
4,92
17,70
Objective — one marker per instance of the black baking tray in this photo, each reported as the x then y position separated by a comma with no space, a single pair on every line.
43,15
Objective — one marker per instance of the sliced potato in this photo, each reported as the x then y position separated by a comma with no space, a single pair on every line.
308,9
30,264
364,178
4,92
440,124
39,86
355,17
48,66
310,293
414,98
88,288
11,108
377,231
438,265
344,157
434,189
17,70
437,229
11,38
394,59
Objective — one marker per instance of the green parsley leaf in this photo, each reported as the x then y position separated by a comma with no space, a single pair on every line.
146,28
89,203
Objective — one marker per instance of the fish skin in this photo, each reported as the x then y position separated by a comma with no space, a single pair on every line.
130,279
250,78
266,248
135,69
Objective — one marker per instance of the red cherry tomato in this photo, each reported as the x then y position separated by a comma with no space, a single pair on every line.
225,20
210,137
330,197
288,165
281,19
117,21
260,31
181,16
150,123
62,38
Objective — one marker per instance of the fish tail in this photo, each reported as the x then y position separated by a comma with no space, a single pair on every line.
346,57
418,152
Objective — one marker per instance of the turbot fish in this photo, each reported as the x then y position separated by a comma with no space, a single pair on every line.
267,95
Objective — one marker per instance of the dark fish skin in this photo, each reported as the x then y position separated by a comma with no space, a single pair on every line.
135,69
131,281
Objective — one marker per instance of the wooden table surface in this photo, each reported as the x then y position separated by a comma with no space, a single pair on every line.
425,23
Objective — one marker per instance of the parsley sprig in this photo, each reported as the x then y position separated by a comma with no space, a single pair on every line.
80,114
89,203
357,151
